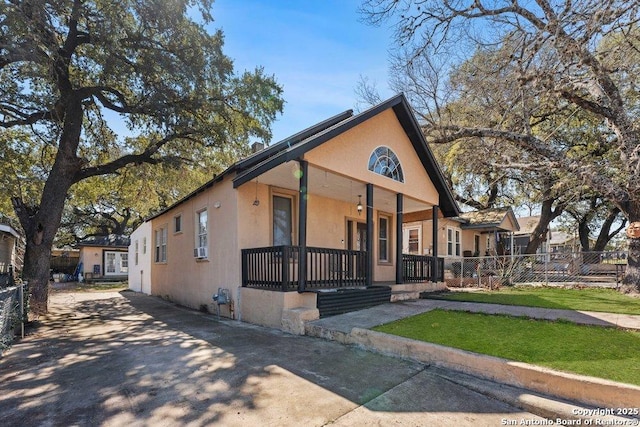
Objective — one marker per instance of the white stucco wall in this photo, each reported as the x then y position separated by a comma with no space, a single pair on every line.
140,268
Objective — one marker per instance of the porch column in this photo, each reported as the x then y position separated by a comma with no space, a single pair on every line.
434,267
369,234
399,238
302,224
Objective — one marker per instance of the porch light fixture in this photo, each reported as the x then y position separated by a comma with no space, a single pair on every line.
359,205
256,202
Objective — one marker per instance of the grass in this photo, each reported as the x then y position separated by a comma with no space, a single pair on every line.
606,300
588,350
87,287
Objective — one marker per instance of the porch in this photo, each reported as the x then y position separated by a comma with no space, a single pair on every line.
296,268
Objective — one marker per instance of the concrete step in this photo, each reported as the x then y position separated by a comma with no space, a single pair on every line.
404,295
418,287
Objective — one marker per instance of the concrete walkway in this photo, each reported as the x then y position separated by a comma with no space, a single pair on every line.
355,328
386,313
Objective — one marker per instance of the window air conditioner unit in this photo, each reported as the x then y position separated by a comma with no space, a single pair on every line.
200,252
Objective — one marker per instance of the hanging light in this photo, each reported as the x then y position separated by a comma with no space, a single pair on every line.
256,202
359,205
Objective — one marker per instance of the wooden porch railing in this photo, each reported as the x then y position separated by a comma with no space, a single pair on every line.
276,268
419,268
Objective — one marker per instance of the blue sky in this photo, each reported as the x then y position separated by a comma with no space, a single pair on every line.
317,50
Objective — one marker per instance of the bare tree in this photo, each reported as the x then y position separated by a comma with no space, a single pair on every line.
563,60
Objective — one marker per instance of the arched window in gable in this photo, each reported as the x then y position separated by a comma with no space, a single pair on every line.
384,161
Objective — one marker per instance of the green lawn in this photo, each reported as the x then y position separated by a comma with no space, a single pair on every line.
588,350
607,300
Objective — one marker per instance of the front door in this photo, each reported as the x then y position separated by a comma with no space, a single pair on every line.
357,241
116,263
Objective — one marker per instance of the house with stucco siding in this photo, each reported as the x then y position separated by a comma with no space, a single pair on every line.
307,227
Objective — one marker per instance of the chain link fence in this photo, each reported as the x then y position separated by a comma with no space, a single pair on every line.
11,308
600,269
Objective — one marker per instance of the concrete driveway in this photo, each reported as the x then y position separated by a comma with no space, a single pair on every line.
126,359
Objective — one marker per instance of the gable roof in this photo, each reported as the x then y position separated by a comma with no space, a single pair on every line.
294,147
6,228
110,241
402,110
527,224
488,218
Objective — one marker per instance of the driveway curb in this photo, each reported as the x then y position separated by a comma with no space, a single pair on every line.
574,388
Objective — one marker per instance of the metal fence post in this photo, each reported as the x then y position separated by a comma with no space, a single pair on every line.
21,292
546,268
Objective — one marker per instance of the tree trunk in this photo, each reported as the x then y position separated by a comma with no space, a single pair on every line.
631,279
41,222
41,225
36,273
539,234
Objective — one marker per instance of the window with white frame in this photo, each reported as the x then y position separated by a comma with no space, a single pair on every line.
124,262
201,232
110,263
136,253
453,242
161,245
116,263
412,240
384,161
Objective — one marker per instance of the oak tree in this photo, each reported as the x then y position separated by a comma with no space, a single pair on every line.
97,85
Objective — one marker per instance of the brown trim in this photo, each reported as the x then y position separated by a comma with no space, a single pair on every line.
390,218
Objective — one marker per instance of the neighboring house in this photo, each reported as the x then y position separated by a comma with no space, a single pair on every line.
10,260
523,236
104,258
140,256
477,233
561,241
282,230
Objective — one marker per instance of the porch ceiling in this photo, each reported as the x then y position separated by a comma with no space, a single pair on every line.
339,187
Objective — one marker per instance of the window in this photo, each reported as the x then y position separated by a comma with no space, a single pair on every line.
282,221
116,263
201,238
476,245
384,239
414,240
161,245
144,245
124,263
110,263
383,161
136,253
453,242
177,224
